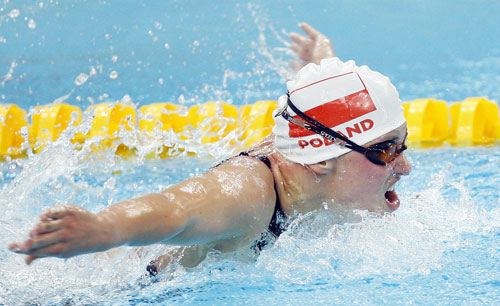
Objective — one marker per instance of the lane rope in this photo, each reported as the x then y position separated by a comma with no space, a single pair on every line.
431,123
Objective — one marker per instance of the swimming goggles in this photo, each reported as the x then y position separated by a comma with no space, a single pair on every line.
380,154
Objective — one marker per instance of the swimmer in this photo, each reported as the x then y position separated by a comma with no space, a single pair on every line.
338,141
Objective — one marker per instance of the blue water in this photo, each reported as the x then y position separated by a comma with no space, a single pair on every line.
442,247
195,51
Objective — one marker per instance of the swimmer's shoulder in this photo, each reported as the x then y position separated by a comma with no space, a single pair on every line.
253,158
256,166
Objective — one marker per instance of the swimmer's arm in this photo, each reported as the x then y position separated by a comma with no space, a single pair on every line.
232,202
225,207
311,48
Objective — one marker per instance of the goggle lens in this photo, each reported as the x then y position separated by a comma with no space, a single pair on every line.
384,156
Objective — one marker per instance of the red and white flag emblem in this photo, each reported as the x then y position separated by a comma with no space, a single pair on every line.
332,101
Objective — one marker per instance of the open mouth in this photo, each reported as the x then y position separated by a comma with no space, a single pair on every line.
392,199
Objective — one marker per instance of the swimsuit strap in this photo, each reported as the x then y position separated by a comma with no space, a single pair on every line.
262,158
277,225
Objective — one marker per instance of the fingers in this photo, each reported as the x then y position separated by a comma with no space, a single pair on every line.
57,212
33,245
295,48
312,32
302,52
29,259
43,234
53,250
14,247
300,39
46,227
57,234
311,48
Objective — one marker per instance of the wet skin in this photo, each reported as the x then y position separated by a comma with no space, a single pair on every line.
361,184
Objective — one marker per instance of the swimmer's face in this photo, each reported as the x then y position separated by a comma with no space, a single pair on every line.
360,184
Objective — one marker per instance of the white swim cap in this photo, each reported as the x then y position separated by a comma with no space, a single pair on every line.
356,102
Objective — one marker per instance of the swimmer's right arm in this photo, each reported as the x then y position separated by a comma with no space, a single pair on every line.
226,207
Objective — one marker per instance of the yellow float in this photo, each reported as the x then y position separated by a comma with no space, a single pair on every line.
49,121
427,122
12,120
474,122
431,123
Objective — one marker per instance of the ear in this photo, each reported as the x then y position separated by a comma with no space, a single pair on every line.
323,167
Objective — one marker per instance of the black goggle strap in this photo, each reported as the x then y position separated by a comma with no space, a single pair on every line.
318,128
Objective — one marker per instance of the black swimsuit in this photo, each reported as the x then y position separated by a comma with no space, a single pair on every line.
276,227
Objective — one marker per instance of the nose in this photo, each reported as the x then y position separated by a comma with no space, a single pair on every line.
402,165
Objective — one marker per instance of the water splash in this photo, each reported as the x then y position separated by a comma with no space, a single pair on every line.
9,74
81,79
413,241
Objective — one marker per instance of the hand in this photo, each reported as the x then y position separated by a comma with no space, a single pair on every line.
310,49
64,231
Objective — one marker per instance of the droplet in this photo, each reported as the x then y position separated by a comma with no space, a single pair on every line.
3,40
158,25
126,99
110,184
113,75
81,79
167,46
103,96
196,43
114,58
14,13
160,81
32,24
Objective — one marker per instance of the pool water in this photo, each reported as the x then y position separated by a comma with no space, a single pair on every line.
442,247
